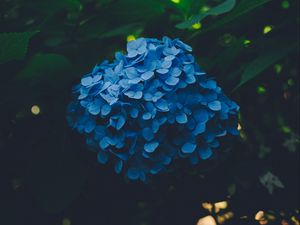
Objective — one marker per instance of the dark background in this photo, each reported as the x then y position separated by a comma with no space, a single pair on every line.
49,177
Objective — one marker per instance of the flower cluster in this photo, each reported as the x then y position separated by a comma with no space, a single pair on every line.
151,106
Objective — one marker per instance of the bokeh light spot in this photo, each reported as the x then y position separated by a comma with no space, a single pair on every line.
239,126
247,42
285,4
261,90
175,1
278,68
208,206
291,82
66,221
286,129
196,26
267,29
220,205
205,8
130,38
259,215
223,218
35,110
208,220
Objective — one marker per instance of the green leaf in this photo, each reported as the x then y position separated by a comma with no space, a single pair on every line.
240,10
41,66
266,59
52,6
122,30
136,10
224,7
14,45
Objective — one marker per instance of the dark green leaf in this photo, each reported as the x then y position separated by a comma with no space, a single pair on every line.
136,10
268,57
52,6
123,30
241,9
224,7
41,66
14,45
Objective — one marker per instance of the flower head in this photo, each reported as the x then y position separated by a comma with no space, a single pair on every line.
151,106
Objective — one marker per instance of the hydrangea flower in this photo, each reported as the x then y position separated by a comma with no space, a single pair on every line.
151,106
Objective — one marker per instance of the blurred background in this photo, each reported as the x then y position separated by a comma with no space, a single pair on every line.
49,177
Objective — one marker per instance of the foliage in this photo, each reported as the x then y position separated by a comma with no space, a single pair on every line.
14,45
250,47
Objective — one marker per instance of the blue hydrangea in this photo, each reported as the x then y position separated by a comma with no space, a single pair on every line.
151,106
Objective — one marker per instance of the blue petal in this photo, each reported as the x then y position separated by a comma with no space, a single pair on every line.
162,105
118,166
190,79
147,116
150,147
233,131
104,143
133,174
129,94
166,64
155,126
102,157
134,95
121,122
109,99
201,115
188,147
105,110
89,126
166,160
205,153
162,120
182,84
175,72
172,81
135,80
147,75
191,124
181,118
94,108
155,169
131,72
183,45
134,113
86,81
210,84
169,58
200,128
97,78
215,105
132,53
124,83
148,134
162,71
138,95
171,51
